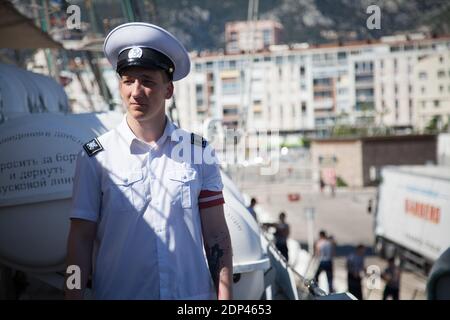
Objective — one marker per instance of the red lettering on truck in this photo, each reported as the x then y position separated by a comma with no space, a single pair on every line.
423,211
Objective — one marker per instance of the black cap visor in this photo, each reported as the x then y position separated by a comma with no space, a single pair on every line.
150,59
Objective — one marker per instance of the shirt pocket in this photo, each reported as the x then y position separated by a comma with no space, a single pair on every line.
183,182
128,191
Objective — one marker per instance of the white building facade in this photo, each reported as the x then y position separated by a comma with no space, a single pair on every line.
302,88
432,92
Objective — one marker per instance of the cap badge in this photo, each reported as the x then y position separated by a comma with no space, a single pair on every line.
135,52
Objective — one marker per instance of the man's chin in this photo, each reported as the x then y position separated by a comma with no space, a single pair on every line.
137,115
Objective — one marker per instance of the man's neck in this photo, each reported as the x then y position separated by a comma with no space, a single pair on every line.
149,131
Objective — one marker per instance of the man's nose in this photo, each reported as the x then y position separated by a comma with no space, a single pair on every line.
137,89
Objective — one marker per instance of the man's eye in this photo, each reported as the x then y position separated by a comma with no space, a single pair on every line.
128,82
148,82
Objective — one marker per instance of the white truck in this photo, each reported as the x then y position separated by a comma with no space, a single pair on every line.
412,221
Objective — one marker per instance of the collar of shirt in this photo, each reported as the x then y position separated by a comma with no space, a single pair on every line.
136,145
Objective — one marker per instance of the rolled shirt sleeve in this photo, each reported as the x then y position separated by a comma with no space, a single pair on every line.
211,189
86,194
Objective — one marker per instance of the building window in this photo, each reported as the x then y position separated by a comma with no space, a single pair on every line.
229,110
395,64
230,86
302,71
422,90
279,60
409,88
441,89
232,46
303,107
424,105
396,89
410,68
441,59
396,104
342,91
342,55
267,37
422,75
381,64
436,103
441,74
199,94
322,95
322,82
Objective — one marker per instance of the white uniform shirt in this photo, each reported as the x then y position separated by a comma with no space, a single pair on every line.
325,249
146,204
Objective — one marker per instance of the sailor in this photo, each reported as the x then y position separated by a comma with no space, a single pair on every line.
147,219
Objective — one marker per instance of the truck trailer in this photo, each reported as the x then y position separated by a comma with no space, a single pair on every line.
412,220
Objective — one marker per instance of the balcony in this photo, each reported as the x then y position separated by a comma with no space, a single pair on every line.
323,103
362,84
322,87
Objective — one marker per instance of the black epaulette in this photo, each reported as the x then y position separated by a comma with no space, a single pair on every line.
198,140
93,147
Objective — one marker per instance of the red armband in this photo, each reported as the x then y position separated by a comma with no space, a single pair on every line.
209,198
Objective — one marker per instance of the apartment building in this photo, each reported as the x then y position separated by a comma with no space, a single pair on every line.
301,88
245,36
395,78
432,90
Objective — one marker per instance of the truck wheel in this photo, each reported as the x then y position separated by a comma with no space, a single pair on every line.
390,250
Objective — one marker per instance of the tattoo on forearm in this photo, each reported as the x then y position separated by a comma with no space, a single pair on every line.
215,258
214,262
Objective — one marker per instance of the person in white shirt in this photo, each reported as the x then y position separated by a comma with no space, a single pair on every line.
147,219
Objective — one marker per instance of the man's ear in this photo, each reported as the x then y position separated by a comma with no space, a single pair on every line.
169,92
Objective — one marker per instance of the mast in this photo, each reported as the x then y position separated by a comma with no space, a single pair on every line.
246,95
91,56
